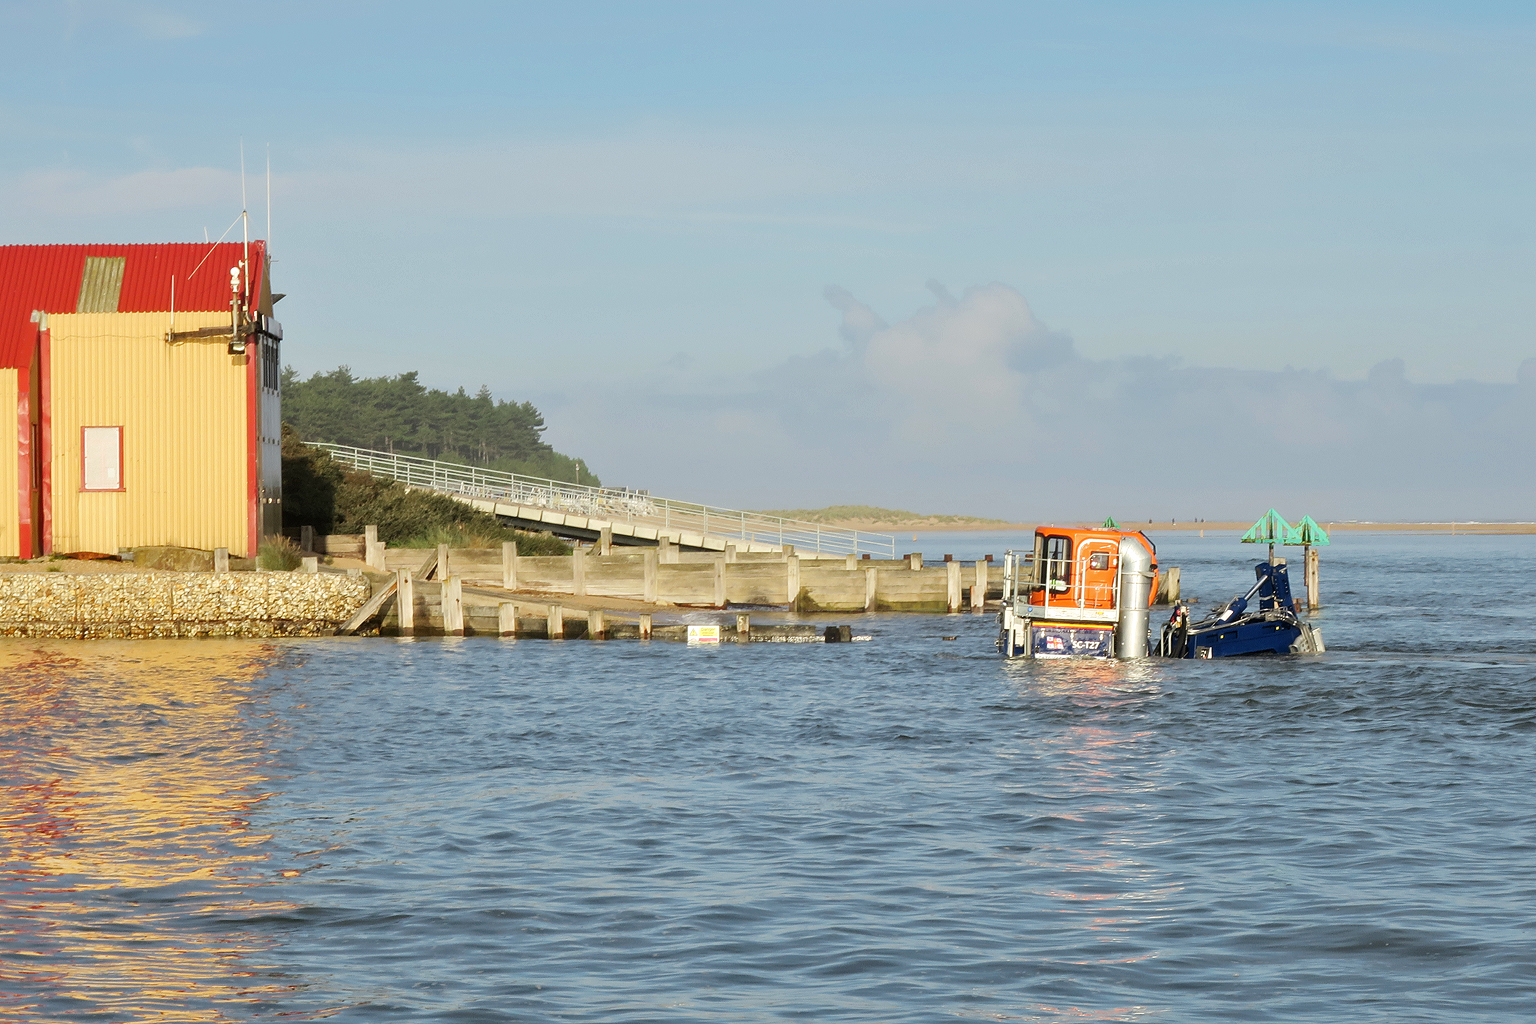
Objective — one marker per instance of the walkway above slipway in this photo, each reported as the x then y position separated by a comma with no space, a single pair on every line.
578,512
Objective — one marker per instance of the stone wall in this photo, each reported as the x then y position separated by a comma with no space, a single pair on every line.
135,605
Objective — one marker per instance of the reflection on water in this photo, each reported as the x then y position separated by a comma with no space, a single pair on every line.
130,771
905,830
1109,892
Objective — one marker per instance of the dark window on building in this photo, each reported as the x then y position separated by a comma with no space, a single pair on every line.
270,361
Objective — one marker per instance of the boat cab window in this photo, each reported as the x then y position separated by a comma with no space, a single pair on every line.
1055,570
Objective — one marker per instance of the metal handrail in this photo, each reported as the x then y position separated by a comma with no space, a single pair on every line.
1075,592
609,502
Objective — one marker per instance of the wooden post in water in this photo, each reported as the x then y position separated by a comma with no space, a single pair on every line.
506,618
443,571
306,538
648,568
578,572
792,576
405,602
605,541
871,584
719,581
556,619
1310,571
453,606
744,626
509,565
645,626
952,586
915,561
597,629
979,590
221,559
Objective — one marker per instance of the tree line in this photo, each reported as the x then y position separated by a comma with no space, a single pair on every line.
400,414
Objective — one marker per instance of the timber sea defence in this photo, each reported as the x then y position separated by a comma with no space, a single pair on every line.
497,591
424,591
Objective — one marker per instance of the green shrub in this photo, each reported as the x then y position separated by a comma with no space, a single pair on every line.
319,492
414,518
479,537
310,480
278,554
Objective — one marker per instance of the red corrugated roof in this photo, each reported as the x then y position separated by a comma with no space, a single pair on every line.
47,277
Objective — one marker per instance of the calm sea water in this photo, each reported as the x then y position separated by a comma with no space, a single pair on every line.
901,830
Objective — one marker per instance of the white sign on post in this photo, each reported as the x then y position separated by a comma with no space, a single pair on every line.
704,634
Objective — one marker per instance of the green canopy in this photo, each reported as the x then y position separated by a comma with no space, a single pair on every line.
1270,529
1110,524
1306,534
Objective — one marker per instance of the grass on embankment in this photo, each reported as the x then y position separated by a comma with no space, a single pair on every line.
318,492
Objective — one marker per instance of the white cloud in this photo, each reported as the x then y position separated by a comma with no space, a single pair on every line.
147,21
973,405
75,193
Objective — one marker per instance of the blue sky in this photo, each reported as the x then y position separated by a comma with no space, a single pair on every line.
640,207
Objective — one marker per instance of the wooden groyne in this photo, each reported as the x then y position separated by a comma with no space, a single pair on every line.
497,591
665,575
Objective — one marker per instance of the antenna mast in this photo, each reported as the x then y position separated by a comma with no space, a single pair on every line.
245,223
269,200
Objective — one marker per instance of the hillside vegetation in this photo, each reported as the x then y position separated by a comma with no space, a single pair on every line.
319,492
400,414
871,517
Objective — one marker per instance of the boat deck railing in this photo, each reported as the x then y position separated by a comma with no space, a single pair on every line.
617,504
1065,585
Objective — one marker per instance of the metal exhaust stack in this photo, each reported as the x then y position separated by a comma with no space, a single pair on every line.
1135,598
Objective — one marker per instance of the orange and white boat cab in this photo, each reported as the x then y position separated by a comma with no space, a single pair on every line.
1080,593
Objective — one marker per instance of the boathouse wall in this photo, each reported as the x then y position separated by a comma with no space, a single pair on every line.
181,414
11,461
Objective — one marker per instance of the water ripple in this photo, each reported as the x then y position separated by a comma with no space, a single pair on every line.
905,830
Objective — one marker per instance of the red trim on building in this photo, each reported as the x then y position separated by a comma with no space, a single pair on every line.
253,446
24,459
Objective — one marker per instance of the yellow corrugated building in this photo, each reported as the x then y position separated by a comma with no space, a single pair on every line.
145,384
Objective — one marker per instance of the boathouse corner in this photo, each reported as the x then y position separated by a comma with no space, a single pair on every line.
139,398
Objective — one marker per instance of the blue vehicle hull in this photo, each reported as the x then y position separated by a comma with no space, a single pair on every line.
1233,630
